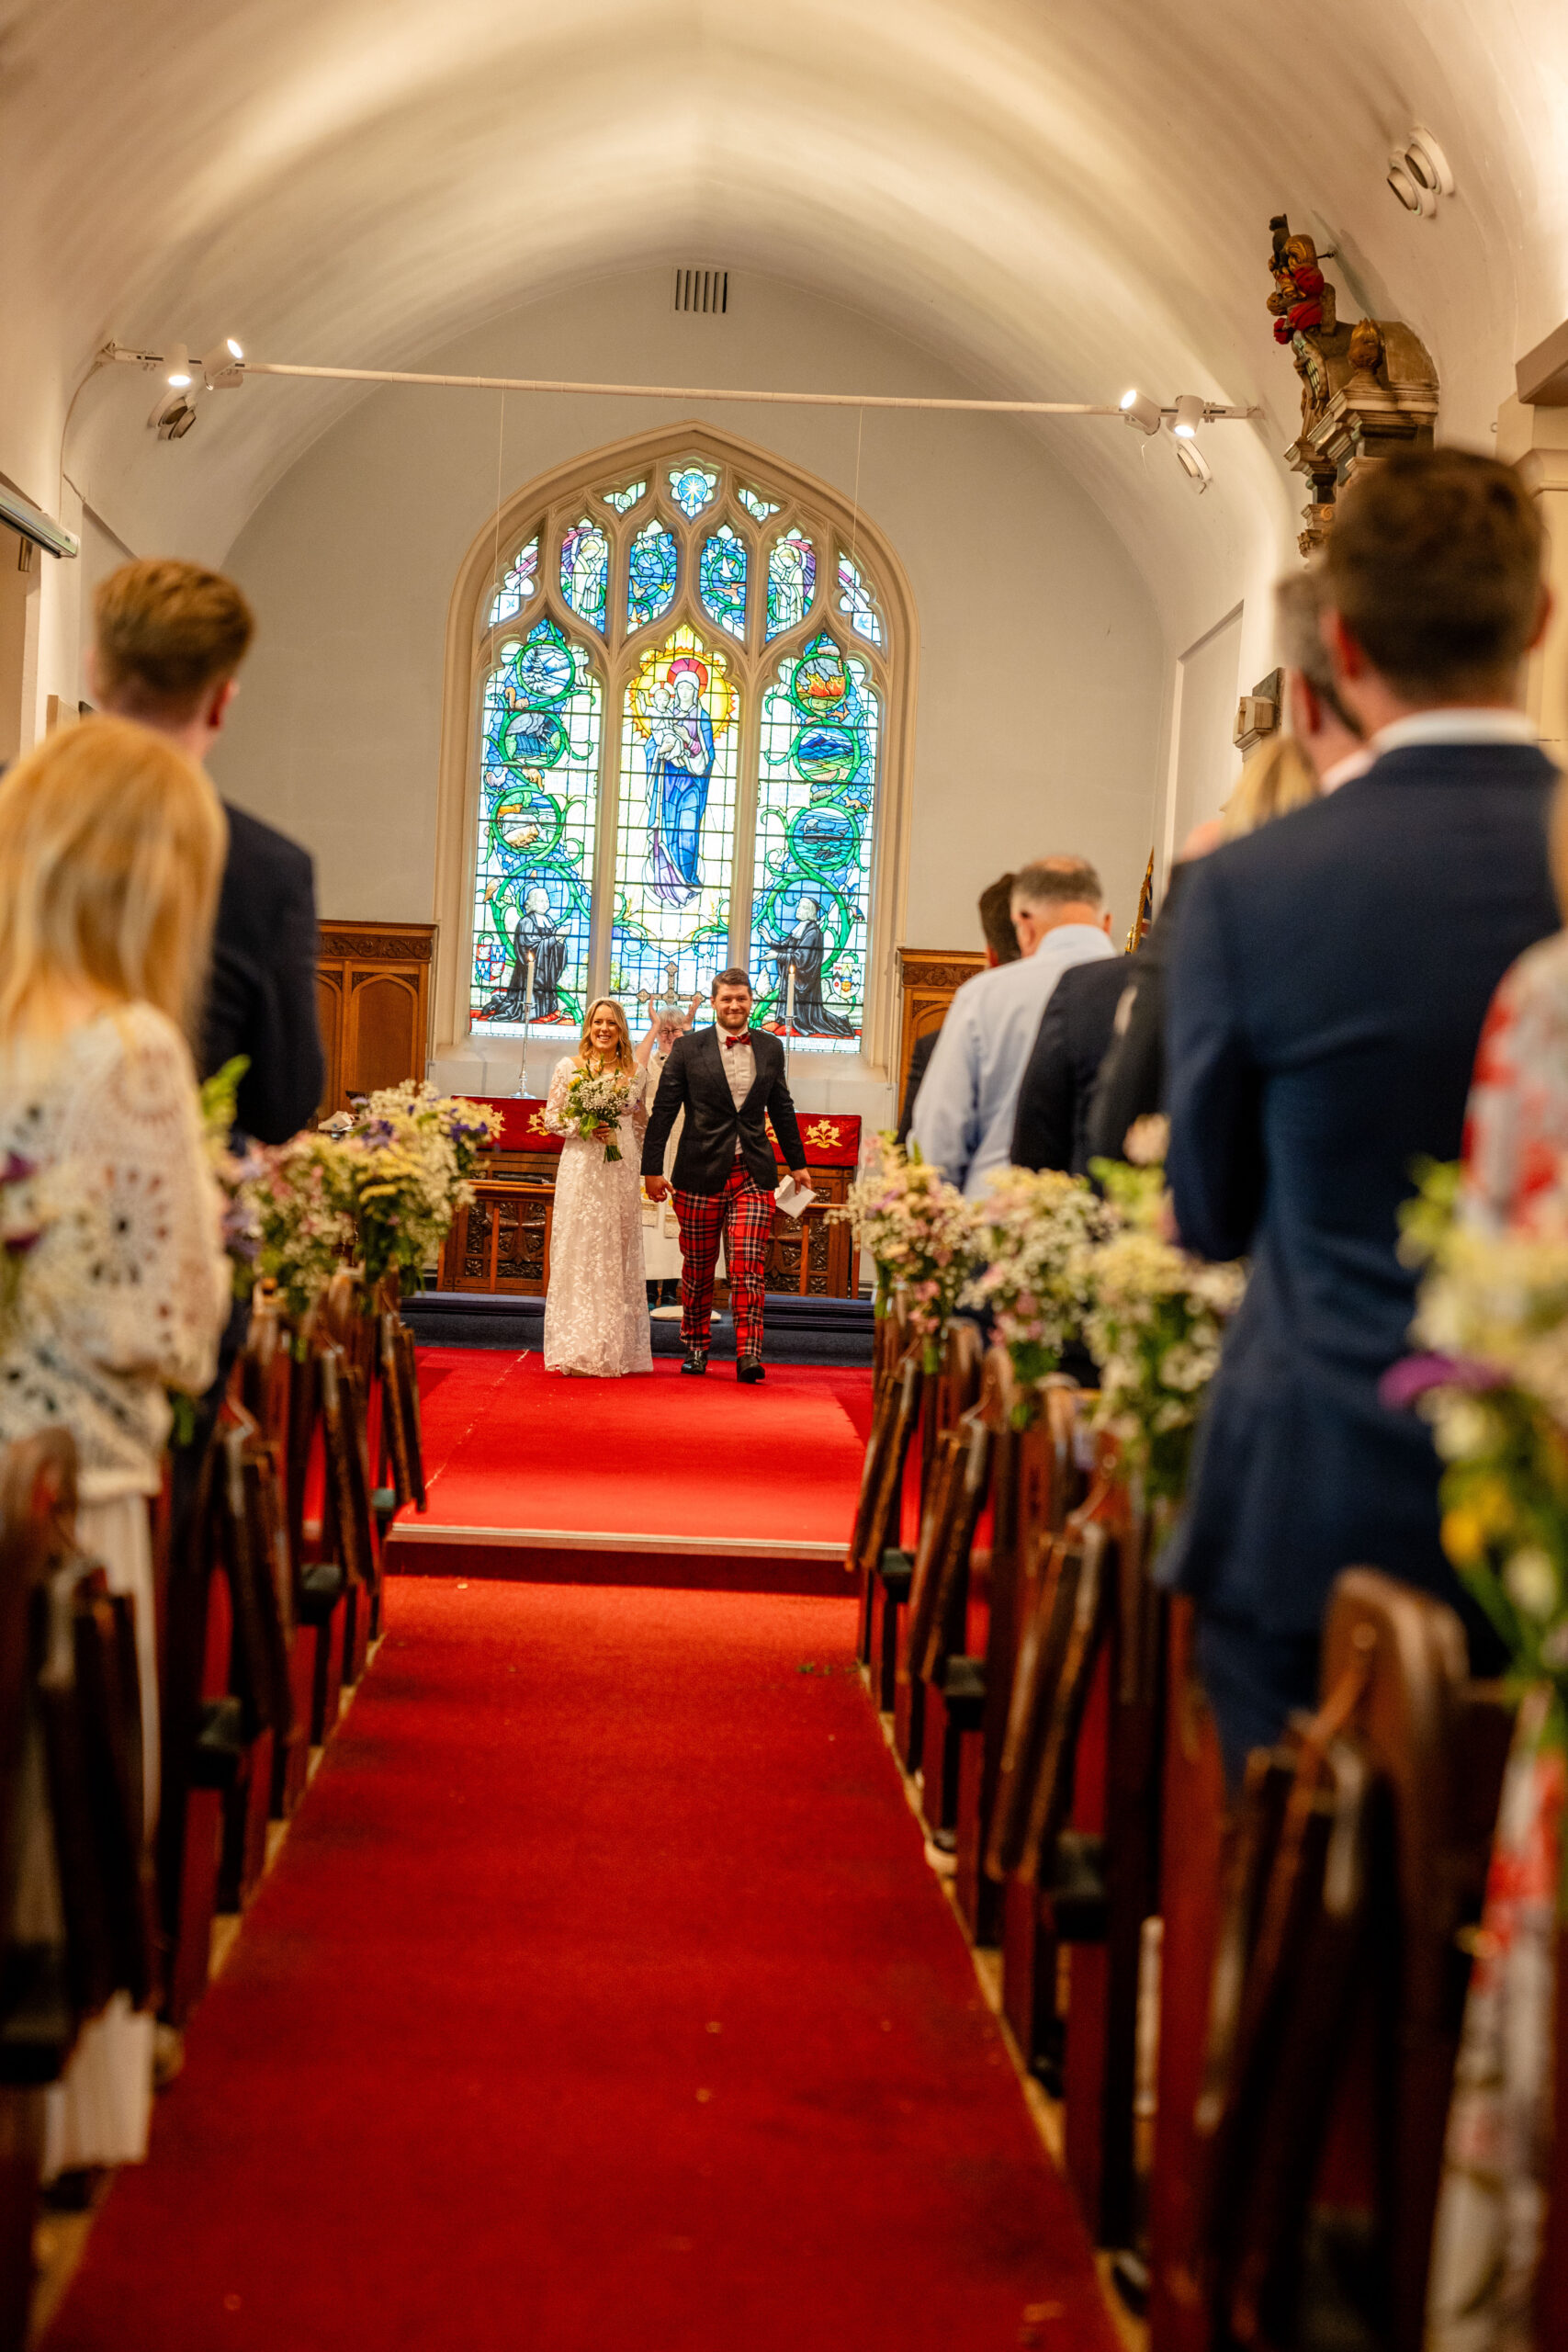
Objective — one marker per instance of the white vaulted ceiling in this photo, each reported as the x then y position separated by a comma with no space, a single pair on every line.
1057,198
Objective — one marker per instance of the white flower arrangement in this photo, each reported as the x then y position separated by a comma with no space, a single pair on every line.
1036,1233
922,1232
1155,1322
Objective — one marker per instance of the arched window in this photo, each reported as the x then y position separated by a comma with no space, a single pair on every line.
686,667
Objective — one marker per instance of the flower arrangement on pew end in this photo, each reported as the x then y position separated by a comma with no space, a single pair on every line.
1492,1378
1037,1235
379,1188
921,1233
1155,1320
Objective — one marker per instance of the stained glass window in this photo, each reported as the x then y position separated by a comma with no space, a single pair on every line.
543,725
652,561
519,584
722,575
792,582
692,488
675,821
857,602
731,815
812,873
585,570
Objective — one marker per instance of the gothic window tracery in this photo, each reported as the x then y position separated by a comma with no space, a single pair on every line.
683,678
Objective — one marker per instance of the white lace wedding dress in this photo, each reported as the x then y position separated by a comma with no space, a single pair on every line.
596,1308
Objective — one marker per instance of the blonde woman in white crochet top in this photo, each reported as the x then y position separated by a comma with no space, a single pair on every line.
113,849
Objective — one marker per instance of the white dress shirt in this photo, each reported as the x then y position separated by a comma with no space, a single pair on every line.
740,1070
968,1100
1453,724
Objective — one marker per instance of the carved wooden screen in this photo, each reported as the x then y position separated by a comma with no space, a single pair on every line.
682,676
373,993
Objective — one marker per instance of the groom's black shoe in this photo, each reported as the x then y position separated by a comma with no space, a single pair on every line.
749,1369
695,1359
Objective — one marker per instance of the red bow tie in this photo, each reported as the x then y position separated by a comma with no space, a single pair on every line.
741,1040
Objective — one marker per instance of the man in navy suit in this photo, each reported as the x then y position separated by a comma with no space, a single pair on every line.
1330,979
169,638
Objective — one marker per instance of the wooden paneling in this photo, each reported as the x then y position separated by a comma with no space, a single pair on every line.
929,980
373,991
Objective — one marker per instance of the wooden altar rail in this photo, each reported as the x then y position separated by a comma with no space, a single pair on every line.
1044,1690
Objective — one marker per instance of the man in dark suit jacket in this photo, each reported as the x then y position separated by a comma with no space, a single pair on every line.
169,639
1330,977
1051,1126
728,1079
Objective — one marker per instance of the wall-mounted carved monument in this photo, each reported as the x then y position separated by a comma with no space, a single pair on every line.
1367,387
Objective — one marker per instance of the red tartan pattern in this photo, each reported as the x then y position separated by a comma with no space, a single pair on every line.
748,1214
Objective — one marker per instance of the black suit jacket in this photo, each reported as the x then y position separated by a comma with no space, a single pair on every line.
1051,1126
261,996
920,1053
693,1080
1131,1082
1329,980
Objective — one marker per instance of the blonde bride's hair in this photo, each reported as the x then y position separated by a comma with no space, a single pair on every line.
623,1041
114,851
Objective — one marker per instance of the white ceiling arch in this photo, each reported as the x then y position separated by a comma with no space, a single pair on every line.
1056,197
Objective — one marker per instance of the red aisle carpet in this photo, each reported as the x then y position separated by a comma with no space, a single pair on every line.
654,1479
600,1998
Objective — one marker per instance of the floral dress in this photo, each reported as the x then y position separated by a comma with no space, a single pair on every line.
596,1307
1516,1122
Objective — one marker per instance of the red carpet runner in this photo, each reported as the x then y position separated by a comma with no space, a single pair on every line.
600,1998
603,1478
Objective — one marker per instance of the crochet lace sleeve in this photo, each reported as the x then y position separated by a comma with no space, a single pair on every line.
157,1293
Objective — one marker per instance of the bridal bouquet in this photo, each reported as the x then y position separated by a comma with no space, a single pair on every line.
597,1098
1036,1235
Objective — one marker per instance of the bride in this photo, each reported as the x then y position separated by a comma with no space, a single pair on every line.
596,1307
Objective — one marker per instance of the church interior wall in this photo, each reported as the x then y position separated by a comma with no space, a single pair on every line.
1042,659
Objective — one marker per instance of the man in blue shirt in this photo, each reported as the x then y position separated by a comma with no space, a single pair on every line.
965,1109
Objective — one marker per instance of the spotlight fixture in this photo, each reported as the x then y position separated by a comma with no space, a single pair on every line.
1139,409
1418,174
1189,415
173,414
223,368
176,367
1194,465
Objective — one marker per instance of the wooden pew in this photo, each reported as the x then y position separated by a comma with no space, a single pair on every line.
945,1399
876,1554
1358,1860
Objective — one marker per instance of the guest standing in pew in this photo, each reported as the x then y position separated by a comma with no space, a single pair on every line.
1001,947
1317,750
968,1102
729,1080
1330,979
596,1307
169,639
113,847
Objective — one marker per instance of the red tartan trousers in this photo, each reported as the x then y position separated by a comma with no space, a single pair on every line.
746,1215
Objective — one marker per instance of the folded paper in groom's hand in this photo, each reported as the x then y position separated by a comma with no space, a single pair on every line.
794,1199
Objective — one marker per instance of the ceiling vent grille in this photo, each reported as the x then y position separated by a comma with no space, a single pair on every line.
707,291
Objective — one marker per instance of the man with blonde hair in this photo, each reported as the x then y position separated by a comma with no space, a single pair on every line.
169,639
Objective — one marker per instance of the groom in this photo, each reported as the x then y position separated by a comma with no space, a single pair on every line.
726,1079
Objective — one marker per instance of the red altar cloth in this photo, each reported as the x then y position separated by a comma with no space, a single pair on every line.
829,1142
